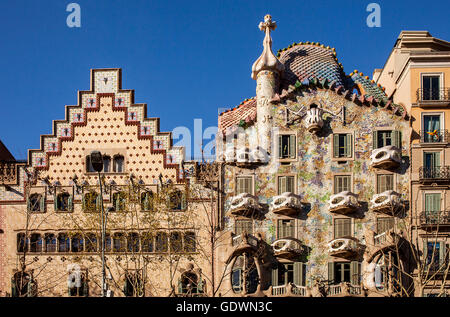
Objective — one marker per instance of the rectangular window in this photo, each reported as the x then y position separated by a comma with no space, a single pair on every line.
384,138
342,183
431,127
349,272
342,227
385,182
286,184
432,164
241,225
286,273
286,146
431,87
244,184
384,224
342,145
285,228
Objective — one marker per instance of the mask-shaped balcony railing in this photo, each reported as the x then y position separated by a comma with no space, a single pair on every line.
434,174
245,205
314,120
433,95
287,204
435,218
287,248
434,137
388,202
386,157
344,203
344,247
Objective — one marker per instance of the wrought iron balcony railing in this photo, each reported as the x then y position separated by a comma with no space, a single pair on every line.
437,173
436,136
435,218
433,95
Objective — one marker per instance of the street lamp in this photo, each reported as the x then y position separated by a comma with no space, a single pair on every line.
96,159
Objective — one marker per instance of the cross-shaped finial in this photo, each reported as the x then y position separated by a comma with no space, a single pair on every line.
268,25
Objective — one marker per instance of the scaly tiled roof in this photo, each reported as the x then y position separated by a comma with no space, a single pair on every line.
242,115
306,61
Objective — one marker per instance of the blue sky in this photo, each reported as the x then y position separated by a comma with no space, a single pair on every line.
185,59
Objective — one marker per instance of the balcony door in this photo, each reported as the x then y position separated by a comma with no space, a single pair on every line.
432,206
430,87
432,164
432,128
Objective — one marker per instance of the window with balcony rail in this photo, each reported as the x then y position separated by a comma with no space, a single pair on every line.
432,129
431,87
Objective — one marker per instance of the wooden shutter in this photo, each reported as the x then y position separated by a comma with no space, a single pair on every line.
342,228
280,146
55,202
349,145
70,203
280,230
335,145
442,255
42,203
98,203
299,272
290,184
331,272
397,136
354,273
275,277
83,202
183,200
200,285
292,147
282,184
375,140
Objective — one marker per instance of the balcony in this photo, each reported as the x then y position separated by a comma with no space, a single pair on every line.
345,289
344,203
377,243
290,290
245,205
435,137
388,202
9,173
286,204
435,219
434,174
345,247
387,157
433,97
314,120
287,248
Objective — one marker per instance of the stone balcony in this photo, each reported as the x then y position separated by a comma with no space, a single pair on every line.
388,202
286,204
245,205
289,290
345,289
314,120
287,248
244,157
387,157
344,203
344,247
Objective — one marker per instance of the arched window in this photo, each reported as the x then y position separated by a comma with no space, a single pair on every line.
147,242
35,242
50,242
244,264
22,285
120,201
63,242
133,242
35,203
22,242
119,242
133,286
161,244
106,164
91,242
147,201
176,242
63,202
118,164
189,242
108,243
177,200
188,283
77,243
91,201
89,167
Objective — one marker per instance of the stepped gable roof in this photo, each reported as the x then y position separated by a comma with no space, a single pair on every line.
306,61
242,115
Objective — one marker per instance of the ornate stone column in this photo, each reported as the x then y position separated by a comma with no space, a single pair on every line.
266,70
